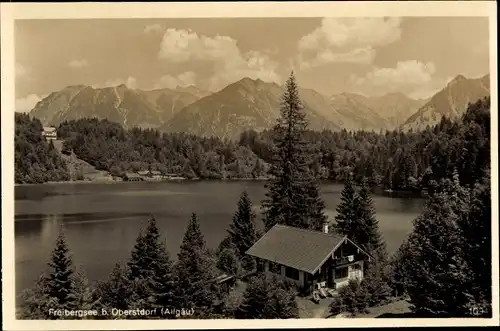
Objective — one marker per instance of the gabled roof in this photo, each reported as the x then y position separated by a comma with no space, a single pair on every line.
301,249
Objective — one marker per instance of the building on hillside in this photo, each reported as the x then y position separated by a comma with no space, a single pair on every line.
132,177
173,176
311,259
143,173
49,133
156,175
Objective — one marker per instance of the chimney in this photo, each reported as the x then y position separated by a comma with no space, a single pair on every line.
325,227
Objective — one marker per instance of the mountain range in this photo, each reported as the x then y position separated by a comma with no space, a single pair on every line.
253,104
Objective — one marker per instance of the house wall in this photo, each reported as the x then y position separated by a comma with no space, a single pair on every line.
338,260
50,135
352,273
299,282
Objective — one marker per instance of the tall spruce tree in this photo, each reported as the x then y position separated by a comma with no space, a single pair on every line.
61,287
151,268
367,232
195,272
346,210
242,231
59,282
292,198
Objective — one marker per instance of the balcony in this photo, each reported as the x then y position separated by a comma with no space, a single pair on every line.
345,259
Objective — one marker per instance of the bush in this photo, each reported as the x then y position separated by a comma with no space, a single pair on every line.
268,297
357,296
231,304
376,284
352,298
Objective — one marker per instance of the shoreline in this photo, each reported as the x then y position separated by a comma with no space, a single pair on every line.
377,189
112,181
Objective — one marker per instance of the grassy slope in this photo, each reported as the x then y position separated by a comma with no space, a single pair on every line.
76,166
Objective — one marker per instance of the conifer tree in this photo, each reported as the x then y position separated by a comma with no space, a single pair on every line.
292,196
436,267
59,282
151,267
195,271
229,262
35,302
476,229
242,231
117,289
84,296
346,210
367,232
61,287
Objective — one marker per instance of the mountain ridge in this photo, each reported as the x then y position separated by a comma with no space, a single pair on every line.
129,107
253,104
451,101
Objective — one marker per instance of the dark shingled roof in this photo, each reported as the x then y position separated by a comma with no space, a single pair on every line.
301,249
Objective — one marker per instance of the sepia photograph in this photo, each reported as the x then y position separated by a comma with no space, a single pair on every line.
323,165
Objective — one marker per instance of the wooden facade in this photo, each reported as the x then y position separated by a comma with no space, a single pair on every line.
49,133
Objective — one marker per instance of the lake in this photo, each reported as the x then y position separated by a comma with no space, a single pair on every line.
102,221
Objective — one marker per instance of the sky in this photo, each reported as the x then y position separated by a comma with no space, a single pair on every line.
372,56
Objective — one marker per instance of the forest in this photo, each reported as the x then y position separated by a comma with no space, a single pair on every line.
393,159
36,160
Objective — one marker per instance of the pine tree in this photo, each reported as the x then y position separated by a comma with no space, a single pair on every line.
399,277
346,210
35,302
61,287
151,267
242,231
59,282
117,289
292,196
229,262
195,271
84,296
367,232
375,284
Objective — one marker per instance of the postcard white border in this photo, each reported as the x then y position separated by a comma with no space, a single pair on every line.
10,12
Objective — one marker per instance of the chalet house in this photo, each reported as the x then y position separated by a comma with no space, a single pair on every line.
49,133
143,173
311,259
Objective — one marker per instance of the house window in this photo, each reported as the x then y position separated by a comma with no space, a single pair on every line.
275,268
356,267
292,273
260,265
341,273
